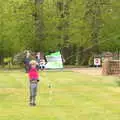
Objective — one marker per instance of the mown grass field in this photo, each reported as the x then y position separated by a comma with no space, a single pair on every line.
73,96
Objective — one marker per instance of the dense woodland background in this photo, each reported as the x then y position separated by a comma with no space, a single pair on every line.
80,29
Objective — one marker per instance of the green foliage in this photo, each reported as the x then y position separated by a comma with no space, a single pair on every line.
110,33
51,25
16,26
7,60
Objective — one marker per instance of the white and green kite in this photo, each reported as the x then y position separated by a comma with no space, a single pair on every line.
54,61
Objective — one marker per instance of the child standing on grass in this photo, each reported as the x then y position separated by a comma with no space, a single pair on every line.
34,79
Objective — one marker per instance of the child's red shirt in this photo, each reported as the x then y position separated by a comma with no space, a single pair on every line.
33,74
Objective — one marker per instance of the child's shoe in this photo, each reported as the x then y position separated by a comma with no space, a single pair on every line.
34,104
31,104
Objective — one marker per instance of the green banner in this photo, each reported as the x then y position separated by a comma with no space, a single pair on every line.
54,61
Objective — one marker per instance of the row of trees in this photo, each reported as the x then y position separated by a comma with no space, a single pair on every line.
79,28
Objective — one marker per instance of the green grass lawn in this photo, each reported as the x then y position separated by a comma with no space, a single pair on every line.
73,96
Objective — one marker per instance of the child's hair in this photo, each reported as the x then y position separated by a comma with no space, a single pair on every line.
33,62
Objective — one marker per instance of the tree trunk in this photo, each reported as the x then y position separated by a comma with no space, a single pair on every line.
94,19
77,61
39,25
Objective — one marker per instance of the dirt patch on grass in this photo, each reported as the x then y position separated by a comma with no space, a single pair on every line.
88,71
